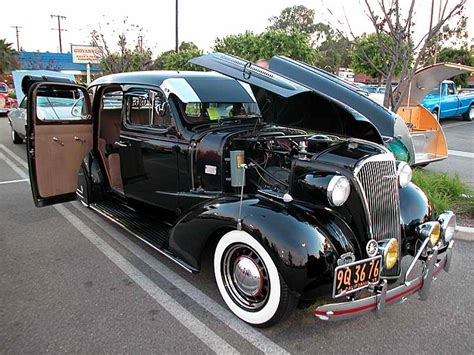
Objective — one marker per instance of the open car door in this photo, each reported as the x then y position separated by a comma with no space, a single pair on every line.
59,135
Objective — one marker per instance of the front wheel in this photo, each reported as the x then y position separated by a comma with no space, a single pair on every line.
249,281
469,114
436,114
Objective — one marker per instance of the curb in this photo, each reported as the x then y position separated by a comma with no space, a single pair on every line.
464,233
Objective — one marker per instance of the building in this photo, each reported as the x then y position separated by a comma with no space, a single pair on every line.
61,62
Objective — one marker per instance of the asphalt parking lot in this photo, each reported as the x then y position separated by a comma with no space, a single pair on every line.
460,138
72,282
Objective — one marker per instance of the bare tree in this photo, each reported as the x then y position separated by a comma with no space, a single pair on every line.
124,56
388,18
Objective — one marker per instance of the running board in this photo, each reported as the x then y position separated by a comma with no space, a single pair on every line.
149,231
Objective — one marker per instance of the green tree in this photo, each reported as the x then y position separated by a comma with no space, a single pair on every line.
368,58
459,56
253,47
332,50
398,21
8,57
297,18
170,60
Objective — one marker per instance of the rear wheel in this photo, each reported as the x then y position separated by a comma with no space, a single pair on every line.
15,137
249,281
469,114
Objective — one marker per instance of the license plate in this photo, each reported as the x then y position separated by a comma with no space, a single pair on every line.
355,276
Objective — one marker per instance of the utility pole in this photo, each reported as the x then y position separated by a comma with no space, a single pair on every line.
17,30
177,41
59,29
140,43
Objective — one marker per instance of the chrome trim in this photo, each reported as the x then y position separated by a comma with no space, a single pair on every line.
422,284
445,219
381,200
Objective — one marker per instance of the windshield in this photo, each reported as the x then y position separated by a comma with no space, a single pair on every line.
434,92
207,112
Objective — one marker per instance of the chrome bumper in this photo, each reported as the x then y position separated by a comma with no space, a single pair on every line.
382,296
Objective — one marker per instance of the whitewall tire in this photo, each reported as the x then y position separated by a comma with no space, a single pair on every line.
249,281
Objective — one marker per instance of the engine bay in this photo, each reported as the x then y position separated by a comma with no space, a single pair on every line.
262,161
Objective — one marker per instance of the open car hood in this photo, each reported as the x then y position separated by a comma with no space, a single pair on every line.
284,100
323,82
426,79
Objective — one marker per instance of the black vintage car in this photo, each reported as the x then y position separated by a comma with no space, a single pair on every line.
293,189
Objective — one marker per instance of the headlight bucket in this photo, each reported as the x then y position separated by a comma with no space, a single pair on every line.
447,221
388,248
338,190
404,174
430,230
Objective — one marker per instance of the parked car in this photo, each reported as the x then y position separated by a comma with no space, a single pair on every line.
426,132
17,121
294,191
378,95
48,108
444,102
6,102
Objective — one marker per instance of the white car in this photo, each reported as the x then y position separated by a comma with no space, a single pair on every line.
48,109
17,120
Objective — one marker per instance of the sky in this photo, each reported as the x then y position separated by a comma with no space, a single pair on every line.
200,21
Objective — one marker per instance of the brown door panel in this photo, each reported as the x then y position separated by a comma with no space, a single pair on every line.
59,151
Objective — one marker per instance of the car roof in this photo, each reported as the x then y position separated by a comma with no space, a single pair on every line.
154,77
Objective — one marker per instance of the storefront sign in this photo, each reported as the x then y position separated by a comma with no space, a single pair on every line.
85,54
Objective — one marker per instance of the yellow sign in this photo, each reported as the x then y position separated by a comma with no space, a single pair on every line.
213,113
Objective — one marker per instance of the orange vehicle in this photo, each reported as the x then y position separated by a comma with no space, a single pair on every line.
425,130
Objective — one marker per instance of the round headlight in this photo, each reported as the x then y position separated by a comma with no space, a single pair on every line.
338,190
435,234
390,253
404,173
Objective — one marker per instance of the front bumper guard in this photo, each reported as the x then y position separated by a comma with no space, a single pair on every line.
382,296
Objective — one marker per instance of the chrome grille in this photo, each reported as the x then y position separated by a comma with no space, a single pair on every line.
378,179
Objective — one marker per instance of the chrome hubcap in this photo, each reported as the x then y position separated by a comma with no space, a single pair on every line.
245,277
471,112
13,134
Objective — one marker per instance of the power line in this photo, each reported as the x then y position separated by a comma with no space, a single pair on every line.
17,30
59,29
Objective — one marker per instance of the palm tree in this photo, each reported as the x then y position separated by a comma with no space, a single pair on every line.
8,56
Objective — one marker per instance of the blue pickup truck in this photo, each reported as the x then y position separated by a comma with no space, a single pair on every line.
444,101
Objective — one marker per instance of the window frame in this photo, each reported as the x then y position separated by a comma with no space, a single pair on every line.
140,127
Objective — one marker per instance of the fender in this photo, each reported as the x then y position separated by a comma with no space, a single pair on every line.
414,208
304,242
90,181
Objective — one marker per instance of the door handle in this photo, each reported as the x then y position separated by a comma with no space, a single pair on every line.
122,144
76,138
55,139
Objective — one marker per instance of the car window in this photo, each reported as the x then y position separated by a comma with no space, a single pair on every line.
201,112
451,90
3,89
60,104
23,103
147,108
112,100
